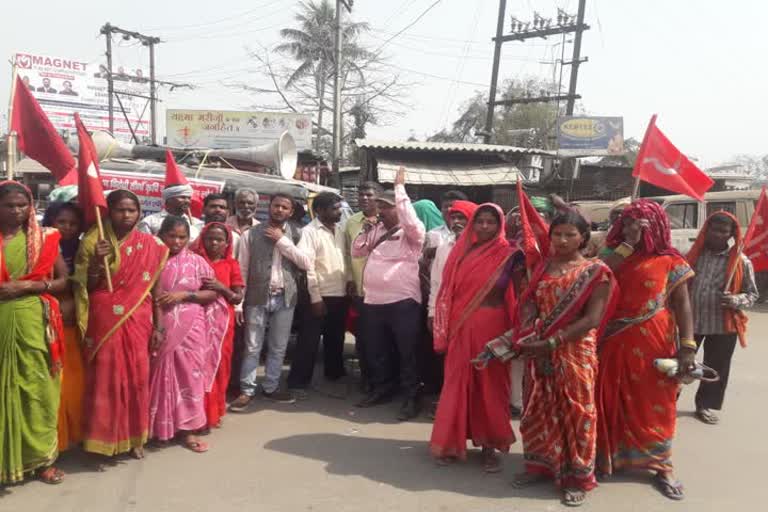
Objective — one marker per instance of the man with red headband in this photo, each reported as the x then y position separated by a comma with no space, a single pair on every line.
723,287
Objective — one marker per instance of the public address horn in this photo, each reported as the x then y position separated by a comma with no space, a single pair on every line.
280,155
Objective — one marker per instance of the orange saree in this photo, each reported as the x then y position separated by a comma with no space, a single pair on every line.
636,403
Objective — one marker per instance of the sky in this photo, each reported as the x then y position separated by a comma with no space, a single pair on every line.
698,64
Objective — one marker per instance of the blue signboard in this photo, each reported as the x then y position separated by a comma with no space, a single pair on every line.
590,136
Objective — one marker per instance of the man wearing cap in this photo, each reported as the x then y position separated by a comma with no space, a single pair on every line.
177,199
392,323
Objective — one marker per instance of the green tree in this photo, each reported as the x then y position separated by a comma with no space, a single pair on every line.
519,125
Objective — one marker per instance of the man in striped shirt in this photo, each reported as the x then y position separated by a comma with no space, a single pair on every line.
712,304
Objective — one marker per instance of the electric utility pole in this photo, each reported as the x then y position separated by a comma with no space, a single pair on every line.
540,28
338,52
149,41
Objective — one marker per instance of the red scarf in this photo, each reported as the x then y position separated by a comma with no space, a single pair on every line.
467,258
227,269
657,239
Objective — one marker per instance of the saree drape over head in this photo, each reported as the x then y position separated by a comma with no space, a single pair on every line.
474,404
636,403
226,271
117,328
558,426
30,355
185,366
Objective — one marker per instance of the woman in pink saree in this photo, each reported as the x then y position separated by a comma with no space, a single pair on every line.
186,346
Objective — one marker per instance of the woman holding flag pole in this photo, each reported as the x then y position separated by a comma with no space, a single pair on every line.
116,324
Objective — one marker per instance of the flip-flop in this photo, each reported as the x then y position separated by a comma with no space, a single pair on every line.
574,497
524,480
707,416
491,464
672,490
196,446
51,475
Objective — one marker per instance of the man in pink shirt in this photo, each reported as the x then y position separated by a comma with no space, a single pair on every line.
392,320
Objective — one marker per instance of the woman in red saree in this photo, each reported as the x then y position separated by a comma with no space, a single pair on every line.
561,314
117,328
31,271
215,246
637,403
473,305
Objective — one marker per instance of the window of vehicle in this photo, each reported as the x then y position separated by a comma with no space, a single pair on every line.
721,206
683,215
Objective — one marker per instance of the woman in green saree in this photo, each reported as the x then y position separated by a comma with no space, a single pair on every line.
31,271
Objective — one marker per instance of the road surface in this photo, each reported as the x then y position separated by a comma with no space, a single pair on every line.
323,455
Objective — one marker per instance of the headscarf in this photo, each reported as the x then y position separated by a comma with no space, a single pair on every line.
429,214
33,230
198,246
487,259
466,208
42,252
177,191
734,319
542,204
68,247
657,239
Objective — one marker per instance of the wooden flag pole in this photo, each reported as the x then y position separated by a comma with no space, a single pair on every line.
11,161
733,270
641,157
106,258
636,188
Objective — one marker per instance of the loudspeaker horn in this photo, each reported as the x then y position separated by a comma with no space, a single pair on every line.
280,155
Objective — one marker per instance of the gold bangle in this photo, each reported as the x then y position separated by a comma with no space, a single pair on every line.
624,250
689,343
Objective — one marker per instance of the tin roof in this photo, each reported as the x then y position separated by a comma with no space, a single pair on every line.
449,147
461,175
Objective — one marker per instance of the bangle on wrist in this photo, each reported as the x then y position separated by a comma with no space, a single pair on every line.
191,296
688,343
624,250
552,343
46,286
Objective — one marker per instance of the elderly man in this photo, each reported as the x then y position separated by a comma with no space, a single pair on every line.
392,322
244,219
176,199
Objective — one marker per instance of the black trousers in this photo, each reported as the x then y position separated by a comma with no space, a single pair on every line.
718,351
392,333
332,328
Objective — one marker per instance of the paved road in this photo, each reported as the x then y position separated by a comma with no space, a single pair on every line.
324,455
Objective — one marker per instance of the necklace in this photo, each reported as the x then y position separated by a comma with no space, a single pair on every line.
565,267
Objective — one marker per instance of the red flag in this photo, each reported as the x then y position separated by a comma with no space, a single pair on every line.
38,138
173,176
756,239
660,163
535,239
90,193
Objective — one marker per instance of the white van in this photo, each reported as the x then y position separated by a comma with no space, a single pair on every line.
687,215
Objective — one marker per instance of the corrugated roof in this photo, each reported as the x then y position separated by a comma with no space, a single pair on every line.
450,174
449,147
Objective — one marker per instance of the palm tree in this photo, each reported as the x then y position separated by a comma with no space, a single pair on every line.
311,44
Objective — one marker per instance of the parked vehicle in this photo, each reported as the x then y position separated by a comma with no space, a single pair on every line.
687,216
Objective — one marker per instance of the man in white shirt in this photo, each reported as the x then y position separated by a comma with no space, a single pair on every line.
177,200
270,264
437,236
325,314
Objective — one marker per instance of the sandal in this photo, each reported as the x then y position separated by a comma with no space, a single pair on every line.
50,475
672,489
195,445
491,462
707,416
523,480
574,497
